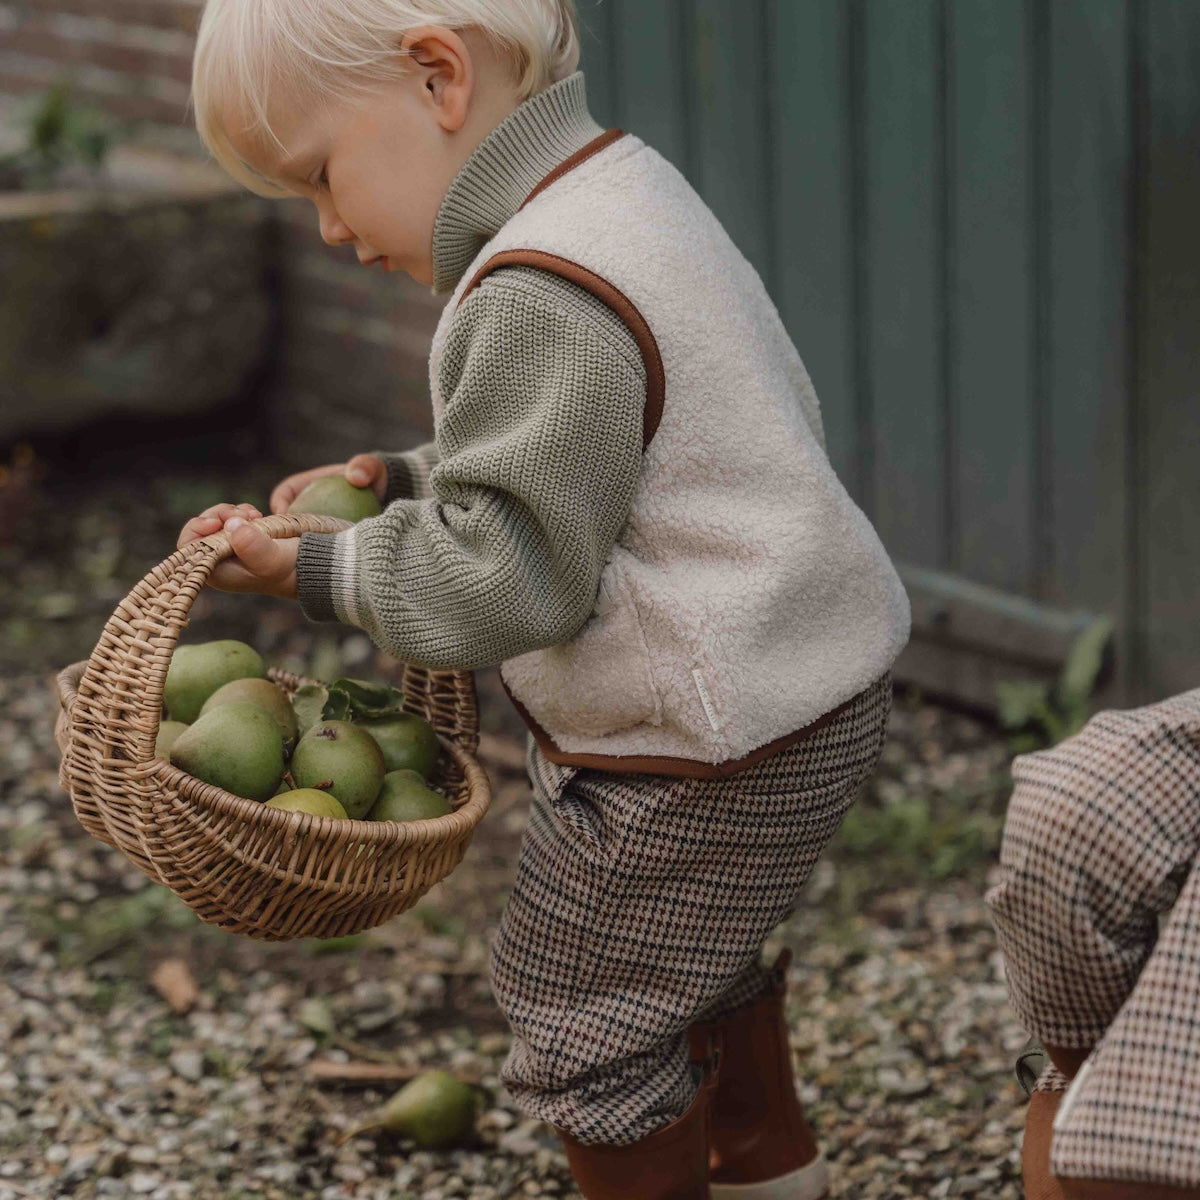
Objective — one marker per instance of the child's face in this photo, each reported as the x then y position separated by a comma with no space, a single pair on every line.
377,167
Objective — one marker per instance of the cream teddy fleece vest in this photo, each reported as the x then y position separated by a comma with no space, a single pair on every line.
747,595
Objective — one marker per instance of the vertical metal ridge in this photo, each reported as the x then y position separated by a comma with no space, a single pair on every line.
686,30
856,111
949,557
1135,598
1043,513
767,97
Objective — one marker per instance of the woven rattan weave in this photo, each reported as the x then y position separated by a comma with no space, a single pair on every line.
246,868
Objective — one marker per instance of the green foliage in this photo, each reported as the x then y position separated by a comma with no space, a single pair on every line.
59,134
1042,714
939,836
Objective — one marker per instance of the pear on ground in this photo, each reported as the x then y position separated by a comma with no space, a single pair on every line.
266,695
405,796
235,746
337,757
336,496
407,741
308,800
197,671
168,732
436,1110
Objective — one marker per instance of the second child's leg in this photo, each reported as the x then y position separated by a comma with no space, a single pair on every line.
641,903
1100,832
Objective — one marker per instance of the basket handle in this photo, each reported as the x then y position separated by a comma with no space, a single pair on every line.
128,668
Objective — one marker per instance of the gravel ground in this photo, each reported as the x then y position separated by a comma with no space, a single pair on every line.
144,1054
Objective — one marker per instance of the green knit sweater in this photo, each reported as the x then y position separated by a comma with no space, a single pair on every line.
494,534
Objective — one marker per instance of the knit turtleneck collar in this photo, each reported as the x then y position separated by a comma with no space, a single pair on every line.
504,168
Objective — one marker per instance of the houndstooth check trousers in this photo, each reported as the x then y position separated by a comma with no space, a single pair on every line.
641,904
1101,845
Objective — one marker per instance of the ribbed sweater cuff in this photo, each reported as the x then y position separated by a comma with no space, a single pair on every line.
401,484
324,576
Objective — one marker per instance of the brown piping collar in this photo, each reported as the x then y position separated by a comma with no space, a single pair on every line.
569,164
662,764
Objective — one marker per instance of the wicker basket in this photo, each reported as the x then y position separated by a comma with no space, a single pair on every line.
238,864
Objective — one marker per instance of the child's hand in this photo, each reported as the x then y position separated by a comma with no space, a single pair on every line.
363,470
262,564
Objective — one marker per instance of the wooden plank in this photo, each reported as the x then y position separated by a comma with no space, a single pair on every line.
653,85
597,60
1088,315
955,612
905,284
808,60
991,385
729,131
1169,415
966,639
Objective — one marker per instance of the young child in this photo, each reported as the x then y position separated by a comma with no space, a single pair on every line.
1102,838
628,507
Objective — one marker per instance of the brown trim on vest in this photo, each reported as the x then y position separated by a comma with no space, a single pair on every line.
581,155
656,376
665,764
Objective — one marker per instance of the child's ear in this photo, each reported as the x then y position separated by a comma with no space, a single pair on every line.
442,63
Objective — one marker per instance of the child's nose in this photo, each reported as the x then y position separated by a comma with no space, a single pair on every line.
334,231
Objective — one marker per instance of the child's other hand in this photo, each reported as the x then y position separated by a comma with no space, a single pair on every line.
363,470
262,563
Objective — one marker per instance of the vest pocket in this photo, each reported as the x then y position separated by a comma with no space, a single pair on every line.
599,682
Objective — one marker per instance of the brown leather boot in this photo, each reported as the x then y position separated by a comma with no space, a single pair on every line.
1040,1184
1035,1151
670,1164
760,1145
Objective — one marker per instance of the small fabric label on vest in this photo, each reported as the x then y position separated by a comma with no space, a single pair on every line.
709,711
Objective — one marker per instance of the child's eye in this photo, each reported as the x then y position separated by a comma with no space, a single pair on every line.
323,179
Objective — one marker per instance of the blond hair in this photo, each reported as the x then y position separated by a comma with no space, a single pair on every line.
335,49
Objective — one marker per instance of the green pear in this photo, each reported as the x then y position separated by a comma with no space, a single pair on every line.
266,695
405,796
407,741
436,1110
336,496
337,757
197,671
308,800
235,746
168,731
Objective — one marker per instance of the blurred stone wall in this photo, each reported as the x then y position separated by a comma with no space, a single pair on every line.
350,364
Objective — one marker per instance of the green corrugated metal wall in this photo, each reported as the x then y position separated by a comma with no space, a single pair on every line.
979,221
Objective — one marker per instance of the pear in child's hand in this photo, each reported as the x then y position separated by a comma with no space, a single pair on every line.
336,496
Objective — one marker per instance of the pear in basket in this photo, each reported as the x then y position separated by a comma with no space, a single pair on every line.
235,746
407,741
405,796
197,671
308,800
336,496
337,757
168,732
266,695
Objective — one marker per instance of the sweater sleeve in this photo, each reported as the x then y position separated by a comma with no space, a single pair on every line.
408,472
539,452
